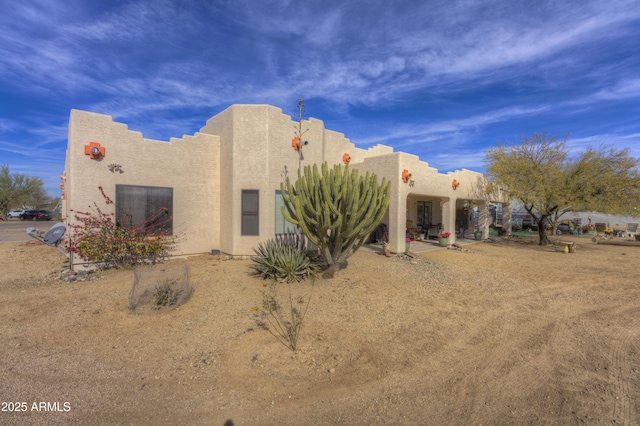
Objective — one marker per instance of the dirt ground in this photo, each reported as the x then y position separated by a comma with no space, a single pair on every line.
505,333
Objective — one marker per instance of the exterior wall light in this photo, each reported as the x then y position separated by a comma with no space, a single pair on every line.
94,150
296,144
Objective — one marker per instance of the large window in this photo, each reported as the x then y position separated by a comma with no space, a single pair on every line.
282,225
137,204
250,212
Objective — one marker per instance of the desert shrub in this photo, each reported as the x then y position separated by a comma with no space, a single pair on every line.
167,293
283,260
284,319
160,286
97,238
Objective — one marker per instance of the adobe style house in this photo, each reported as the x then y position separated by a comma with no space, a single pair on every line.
222,185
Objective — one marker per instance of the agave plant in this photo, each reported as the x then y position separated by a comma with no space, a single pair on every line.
282,261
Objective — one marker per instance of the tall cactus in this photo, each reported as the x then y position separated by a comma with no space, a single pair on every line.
336,210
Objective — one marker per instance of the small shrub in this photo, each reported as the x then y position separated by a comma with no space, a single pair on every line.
166,293
284,320
281,260
159,286
97,238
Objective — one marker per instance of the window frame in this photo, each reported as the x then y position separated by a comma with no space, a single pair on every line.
150,199
249,218
280,223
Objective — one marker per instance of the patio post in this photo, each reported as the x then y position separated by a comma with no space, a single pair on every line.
449,217
483,218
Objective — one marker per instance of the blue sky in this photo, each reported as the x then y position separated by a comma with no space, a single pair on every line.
444,80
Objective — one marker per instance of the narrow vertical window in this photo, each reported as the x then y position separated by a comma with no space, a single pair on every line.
250,212
282,225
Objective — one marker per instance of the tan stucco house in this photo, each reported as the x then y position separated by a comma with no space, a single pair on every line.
222,185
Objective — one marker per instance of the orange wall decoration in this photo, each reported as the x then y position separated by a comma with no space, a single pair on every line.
346,158
94,150
63,177
295,143
406,175
455,184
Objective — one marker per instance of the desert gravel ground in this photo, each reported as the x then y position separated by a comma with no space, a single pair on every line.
507,332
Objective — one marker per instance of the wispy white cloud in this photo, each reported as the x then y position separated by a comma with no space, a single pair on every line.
27,151
448,129
8,126
629,88
630,141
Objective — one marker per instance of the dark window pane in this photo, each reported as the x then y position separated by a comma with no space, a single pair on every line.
250,212
145,206
159,209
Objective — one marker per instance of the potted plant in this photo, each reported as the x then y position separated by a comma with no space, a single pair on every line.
443,238
477,234
408,244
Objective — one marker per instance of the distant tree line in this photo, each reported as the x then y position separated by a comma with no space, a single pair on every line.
18,190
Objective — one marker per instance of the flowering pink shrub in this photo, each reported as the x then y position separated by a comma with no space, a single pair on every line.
96,237
444,234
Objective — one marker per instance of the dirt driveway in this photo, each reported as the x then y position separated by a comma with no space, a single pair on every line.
505,333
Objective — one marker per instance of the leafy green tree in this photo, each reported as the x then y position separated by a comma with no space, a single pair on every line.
337,210
540,174
17,188
37,198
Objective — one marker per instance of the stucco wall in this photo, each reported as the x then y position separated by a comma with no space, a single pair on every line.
243,147
189,165
255,147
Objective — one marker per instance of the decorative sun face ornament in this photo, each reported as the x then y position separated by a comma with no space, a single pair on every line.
94,150
455,184
406,176
295,143
346,158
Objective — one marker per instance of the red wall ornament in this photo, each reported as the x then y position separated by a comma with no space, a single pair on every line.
94,150
346,158
406,175
455,184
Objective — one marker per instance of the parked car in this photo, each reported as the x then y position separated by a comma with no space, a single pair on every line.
15,213
35,215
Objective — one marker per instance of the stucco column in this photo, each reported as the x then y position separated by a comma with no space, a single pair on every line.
397,223
449,218
506,218
483,219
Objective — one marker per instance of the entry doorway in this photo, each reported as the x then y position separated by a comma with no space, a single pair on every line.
424,214
465,221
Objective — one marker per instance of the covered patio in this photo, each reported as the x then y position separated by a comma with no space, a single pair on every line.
424,201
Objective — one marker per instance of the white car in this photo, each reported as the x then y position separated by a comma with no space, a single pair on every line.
15,213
